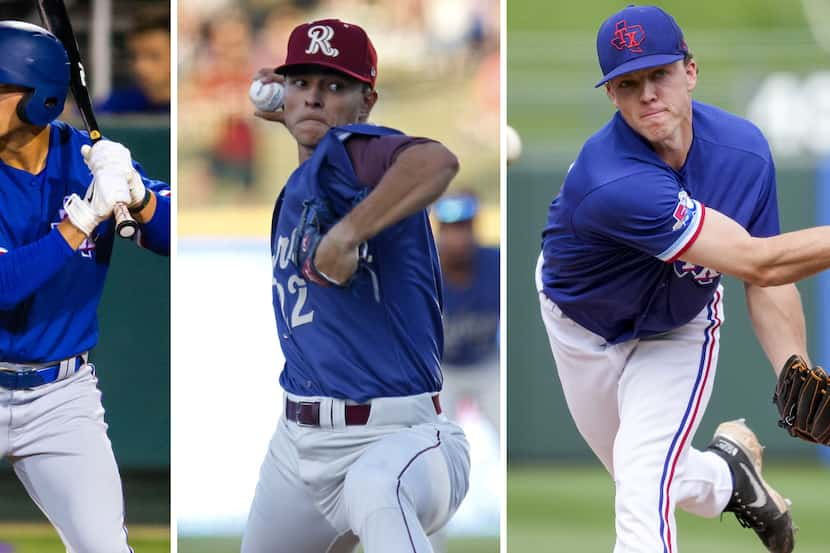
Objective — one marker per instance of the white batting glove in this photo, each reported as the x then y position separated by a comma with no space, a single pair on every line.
81,215
137,190
107,158
97,205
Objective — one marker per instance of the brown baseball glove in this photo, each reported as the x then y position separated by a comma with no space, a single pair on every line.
802,396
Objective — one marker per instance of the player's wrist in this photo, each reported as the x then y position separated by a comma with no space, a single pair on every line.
136,207
345,236
81,214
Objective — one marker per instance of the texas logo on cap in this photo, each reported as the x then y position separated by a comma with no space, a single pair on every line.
332,43
628,37
638,37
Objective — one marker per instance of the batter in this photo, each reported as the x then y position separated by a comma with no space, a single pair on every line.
362,451
663,200
56,238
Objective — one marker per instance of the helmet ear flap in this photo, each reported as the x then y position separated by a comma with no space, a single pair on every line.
23,107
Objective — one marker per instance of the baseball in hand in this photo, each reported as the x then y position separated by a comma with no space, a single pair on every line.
514,145
266,96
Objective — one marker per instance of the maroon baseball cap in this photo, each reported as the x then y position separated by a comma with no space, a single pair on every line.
332,43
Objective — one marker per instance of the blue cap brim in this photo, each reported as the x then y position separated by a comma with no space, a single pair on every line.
644,62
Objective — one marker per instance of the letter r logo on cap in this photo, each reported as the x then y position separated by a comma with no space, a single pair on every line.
320,36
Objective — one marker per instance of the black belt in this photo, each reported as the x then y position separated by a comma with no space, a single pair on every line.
307,413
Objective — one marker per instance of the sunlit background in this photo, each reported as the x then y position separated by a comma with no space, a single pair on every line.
438,76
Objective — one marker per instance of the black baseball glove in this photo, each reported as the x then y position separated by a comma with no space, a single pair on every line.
802,396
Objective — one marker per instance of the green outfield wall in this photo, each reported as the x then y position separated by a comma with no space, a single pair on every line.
538,423
133,353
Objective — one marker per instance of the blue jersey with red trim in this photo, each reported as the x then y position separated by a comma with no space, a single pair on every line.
49,293
382,335
616,232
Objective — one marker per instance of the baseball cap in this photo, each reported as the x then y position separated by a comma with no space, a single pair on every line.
638,37
332,43
456,208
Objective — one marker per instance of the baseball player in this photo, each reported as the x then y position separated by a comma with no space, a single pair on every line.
362,451
471,309
669,195
56,235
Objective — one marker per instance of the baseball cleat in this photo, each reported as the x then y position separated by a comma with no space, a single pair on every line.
754,503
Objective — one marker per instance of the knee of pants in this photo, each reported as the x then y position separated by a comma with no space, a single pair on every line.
366,491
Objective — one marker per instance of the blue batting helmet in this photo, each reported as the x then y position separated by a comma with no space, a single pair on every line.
34,58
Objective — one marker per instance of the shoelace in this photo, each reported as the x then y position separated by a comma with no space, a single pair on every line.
745,517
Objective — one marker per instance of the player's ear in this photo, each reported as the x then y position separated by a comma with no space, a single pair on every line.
690,68
370,97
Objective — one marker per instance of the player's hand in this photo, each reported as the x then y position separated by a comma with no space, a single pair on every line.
336,257
267,75
138,191
108,158
109,161
98,202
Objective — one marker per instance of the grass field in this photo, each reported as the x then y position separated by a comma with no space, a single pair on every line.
41,538
231,545
570,509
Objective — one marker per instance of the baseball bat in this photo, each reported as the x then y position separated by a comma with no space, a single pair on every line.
55,17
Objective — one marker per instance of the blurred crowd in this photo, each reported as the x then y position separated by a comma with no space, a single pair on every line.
136,77
434,55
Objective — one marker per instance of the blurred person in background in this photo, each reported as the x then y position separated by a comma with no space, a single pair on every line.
225,79
148,43
471,281
213,84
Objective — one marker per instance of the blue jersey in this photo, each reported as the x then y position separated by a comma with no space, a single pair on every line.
49,293
617,230
382,335
471,313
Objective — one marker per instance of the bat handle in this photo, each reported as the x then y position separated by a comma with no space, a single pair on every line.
125,225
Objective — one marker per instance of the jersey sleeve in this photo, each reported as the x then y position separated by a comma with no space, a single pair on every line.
155,233
372,156
25,269
764,221
647,212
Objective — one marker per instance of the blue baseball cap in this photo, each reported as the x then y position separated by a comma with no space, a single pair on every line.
456,208
638,37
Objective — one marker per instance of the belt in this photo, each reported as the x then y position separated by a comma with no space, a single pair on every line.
33,377
307,413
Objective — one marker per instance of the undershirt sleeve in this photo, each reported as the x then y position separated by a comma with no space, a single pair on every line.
373,155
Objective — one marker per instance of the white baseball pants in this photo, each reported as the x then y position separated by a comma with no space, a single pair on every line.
638,405
388,483
56,439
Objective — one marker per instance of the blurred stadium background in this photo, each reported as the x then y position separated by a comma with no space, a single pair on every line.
765,60
133,356
438,76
